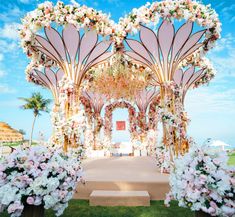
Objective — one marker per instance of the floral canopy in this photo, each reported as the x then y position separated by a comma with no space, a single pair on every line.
82,49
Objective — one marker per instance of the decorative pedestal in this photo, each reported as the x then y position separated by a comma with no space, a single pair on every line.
201,214
33,211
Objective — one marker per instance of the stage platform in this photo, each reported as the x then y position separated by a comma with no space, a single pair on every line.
123,174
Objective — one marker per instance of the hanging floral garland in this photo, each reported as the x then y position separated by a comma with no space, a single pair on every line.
121,79
152,115
87,107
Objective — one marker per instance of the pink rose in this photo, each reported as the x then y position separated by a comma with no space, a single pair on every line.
30,200
62,194
232,180
14,207
213,204
211,210
2,168
31,162
38,201
60,170
47,11
43,166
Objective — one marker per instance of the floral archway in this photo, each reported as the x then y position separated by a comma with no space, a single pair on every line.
108,120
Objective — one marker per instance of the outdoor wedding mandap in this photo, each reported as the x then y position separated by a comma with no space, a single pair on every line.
145,63
91,64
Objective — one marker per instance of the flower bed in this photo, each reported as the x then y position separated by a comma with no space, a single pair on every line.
38,176
202,181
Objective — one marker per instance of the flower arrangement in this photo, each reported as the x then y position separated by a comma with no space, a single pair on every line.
38,175
201,180
153,118
87,107
163,158
209,72
152,142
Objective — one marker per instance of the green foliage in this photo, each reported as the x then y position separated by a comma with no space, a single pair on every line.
14,144
36,103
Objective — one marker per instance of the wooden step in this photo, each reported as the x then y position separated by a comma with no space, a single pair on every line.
119,198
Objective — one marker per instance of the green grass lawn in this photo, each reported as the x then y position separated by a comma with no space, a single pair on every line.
81,208
14,144
231,160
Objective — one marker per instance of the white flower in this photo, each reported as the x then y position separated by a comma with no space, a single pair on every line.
49,201
7,194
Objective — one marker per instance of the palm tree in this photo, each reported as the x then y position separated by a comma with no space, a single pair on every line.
36,103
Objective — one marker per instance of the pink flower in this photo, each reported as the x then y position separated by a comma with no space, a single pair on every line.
232,180
211,210
31,162
2,168
30,200
216,161
14,207
43,166
38,201
62,194
202,178
60,170
213,205
47,11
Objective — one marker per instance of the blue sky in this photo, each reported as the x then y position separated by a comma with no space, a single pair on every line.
211,108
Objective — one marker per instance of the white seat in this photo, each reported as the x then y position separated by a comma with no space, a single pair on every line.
123,149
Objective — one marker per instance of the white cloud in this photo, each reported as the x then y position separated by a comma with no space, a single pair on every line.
225,65
1,57
74,2
223,56
227,13
4,88
211,100
11,14
9,31
211,110
8,46
25,1
2,73
116,3
10,103
96,4
226,42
